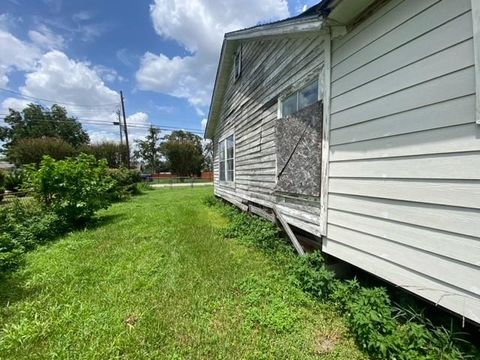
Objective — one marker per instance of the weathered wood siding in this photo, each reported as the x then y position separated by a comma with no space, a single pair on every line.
404,185
269,68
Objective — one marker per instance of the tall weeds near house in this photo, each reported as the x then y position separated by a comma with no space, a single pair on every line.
381,329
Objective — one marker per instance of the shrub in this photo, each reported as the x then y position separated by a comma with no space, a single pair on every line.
73,188
115,154
14,180
125,183
2,192
23,225
32,151
312,276
2,178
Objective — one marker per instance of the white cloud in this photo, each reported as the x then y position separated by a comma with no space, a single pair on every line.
199,27
204,124
71,82
45,38
13,103
108,74
82,16
8,21
15,55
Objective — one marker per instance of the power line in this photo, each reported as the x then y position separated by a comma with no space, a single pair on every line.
54,101
112,123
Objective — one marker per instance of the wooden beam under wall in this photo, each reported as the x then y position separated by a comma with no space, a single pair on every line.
289,232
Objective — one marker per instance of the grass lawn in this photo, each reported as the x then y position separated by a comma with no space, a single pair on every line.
155,280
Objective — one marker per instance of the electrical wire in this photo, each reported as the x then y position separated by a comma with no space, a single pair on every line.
99,122
54,101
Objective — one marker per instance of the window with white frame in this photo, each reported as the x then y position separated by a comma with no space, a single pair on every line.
300,99
226,157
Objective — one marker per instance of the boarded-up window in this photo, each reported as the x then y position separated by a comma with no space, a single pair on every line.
299,154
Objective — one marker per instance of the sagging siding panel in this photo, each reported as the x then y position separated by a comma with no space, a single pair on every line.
404,187
269,68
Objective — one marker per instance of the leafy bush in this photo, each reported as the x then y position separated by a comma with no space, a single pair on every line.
2,192
383,331
32,151
125,183
312,276
2,178
114,153
73,188
23,225
14,180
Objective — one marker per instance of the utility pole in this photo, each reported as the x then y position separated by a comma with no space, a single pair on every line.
125,129
120,126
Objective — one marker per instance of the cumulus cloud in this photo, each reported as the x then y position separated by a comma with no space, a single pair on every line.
204,124
45,38
199,27
70,82
137,125
15,55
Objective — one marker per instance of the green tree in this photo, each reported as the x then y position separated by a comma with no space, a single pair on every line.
149,150
32,150
36,121
183,151
114,153
208,156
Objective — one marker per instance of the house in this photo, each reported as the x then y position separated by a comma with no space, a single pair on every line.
357,123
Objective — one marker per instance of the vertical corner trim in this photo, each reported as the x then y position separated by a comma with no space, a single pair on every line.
476,50
327,71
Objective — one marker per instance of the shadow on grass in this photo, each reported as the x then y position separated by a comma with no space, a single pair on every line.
12,283
101,220
12,289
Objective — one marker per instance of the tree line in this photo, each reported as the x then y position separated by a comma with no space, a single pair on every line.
37,131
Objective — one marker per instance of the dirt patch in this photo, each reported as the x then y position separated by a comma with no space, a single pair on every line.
325,343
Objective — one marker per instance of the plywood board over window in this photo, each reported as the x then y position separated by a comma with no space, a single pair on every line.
298,137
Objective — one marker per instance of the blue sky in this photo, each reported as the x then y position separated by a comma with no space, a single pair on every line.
162,53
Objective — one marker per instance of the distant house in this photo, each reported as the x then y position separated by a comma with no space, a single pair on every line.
357,124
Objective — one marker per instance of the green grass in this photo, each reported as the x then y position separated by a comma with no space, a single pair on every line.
155,280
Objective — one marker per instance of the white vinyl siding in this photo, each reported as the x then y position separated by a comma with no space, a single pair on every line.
404,180
476,46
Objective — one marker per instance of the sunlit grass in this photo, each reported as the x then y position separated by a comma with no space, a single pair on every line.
155,280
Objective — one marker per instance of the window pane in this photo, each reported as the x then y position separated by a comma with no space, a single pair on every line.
308,95
289,105
230,147
230,170
221,151
222,170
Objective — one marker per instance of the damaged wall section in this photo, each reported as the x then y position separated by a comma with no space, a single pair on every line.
299,151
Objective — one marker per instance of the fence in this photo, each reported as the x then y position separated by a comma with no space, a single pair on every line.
179,181
9,197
